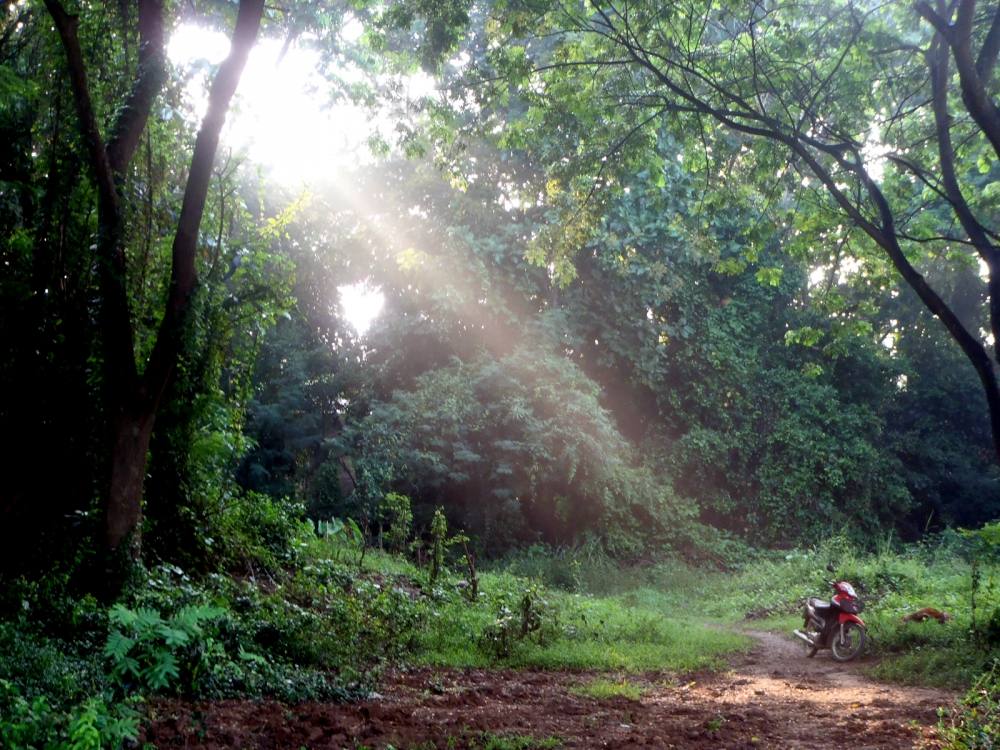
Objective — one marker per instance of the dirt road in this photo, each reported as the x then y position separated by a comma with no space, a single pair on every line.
772,698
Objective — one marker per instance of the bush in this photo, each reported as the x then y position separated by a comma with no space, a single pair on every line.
397,521
42,665
515,623
92,725
151,653
261,534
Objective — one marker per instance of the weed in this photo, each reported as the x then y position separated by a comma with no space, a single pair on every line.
714,724
976,724
94,724
604,689
487,741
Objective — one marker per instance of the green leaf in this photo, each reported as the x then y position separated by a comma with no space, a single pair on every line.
160,673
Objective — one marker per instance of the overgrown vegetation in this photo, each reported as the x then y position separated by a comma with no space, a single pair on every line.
657,347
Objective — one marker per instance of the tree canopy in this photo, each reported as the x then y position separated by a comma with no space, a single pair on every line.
659,276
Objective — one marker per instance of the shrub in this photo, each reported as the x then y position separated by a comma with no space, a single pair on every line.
92,725
259,531
396,517
150,652
439,539
976,725
42,665
515,623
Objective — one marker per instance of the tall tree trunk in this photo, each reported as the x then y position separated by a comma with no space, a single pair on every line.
131,431
133,399
129,460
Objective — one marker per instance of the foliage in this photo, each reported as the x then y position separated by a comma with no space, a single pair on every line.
93,725
439,539
975,725
151,653
397,519
512,625
257,531
623,340
521,448
344,534
851,170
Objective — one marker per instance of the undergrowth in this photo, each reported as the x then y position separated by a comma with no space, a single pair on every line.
301,615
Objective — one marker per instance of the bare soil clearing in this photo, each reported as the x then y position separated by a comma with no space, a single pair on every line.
771,698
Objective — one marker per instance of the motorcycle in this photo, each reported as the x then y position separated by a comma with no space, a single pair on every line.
834,624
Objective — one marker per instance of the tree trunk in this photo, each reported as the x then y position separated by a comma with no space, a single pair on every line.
131,431
133,399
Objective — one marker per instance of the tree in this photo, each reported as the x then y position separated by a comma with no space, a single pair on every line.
133,397
845,92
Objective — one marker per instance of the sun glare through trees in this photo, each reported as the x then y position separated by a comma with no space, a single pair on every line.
451,374
284,116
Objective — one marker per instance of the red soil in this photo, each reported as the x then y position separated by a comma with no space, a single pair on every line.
775,698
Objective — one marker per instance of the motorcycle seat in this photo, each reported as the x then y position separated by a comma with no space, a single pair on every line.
818,603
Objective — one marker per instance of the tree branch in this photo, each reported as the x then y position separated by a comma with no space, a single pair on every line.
150,76
183,273
987,58
938,62
67,25
974,94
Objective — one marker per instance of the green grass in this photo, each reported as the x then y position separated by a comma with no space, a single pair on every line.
631,633
603,689
597,615
769,587
488,741
774,623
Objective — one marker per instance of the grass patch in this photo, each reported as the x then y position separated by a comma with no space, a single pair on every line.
947,667
766,593
774,623
604,689
488,741
575,631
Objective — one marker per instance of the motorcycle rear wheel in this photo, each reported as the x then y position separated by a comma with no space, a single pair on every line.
853,642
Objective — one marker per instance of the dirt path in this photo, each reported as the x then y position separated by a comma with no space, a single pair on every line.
772,698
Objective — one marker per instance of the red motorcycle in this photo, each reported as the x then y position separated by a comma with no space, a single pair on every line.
834,624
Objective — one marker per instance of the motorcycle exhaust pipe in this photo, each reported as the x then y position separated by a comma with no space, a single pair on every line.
804,637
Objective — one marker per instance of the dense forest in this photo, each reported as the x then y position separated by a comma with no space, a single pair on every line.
554,299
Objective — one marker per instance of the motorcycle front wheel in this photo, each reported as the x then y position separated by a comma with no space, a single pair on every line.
850,645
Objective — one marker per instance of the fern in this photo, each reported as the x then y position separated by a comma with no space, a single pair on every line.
162,671
155,651
83,731
174,637
117,646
